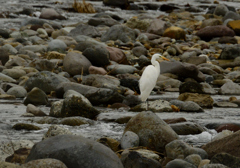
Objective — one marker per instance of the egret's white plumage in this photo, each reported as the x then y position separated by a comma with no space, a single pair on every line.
149,77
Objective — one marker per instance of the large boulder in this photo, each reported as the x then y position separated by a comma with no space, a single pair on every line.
75,152
229,144
210,32
85,30
119,32
75,64
153,132
45,80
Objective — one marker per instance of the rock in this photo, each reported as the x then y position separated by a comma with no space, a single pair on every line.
56,130
56,107
214,166
168,83
187,128
75,63
175,120
17,91
78,106
210,22
230,52
55,55
215,68
85,42
116,3
119,32
138,51
204,162
46,163
97,70
121,69
57,33
75,151
69,41
228,126
152,131
45,80
111,143
226,145
43,64
107,21
220,31
10,49
136,159
154,106
4,33
117,55
183,70
95,95
19,156
207,89
222,134
20,126
179,164
157,26
34,48
221,10
6,78
57,45
34,110
227,39
175,32
201,99
36,97
191,87
4,56
85,30
225,104
230,88
136,23
180,149
51,14
129,140
194,159
8,165
97,55
207,71
14,73
231,15
226,159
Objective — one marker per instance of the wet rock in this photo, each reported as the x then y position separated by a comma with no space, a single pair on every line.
74,63
116,3
230,52
85,30
225,104
187,128
51,14
46,163
137,23
121,69
19,156
119,32
107,21
111,143
66,147
230,88
4,56
138,51
220,31
226,145
183,70
191,87
211,22
78,106
57,45
17,91
221,10
226,159
201,99
55,130
117,55
132,100
20,126
194,159
154,106
35,110
45,80
153,132
228,126
73,121
136,159
180,149
227,39
157,26
97,55
231,15
179,163
56,107
129,140
36,97
14,73
131,83
175,32
97,70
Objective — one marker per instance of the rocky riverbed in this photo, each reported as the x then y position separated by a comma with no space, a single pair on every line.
69,84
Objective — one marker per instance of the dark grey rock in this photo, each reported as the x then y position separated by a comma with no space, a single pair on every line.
86,30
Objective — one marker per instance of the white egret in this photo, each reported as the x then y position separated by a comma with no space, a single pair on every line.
149,77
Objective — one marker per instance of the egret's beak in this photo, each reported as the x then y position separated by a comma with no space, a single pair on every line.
164,58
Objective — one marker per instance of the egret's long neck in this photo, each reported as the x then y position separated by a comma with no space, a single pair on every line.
157,66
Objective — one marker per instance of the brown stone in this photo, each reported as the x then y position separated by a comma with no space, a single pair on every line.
175,32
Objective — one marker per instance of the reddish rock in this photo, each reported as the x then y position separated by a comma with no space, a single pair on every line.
117,55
